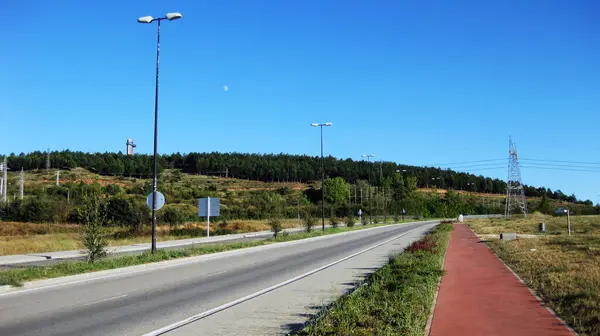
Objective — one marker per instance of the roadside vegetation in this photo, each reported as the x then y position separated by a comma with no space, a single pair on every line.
395,300
16,276
563,270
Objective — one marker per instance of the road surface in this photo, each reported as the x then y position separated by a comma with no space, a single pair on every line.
148,298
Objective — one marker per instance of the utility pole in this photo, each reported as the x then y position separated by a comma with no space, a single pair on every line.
361,197
369,156
5,180
298,211
57,177
21,182
322,174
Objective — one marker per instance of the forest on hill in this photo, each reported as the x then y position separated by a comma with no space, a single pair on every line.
272,167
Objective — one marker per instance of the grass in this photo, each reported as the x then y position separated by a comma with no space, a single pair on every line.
395,300
16,276
563,270
554,225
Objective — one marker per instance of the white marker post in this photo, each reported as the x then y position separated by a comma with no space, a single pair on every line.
569,221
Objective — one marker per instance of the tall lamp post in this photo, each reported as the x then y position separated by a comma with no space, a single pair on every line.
150,19
369,156
322,175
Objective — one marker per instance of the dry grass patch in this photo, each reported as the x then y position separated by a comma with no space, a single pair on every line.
587,225
23,238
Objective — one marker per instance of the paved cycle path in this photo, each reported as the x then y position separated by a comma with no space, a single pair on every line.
479,295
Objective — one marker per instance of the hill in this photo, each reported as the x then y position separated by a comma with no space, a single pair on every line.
272,168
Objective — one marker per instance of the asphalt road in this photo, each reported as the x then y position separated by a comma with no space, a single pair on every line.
142,299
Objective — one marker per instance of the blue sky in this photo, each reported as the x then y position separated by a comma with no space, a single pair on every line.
416,82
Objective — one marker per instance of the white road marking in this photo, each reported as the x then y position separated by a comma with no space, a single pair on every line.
177,262
202,315
107,299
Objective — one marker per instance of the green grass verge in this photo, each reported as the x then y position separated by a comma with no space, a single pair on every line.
16,276
395,300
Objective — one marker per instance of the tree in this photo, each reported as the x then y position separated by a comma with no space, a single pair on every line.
545,205
337,191
93,234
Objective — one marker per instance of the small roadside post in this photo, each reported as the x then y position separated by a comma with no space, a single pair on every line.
208,207
568,220
360,216
403,212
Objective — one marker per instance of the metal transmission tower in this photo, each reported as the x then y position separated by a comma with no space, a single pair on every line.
515,195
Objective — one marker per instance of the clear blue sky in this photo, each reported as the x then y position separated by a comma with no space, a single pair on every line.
416,82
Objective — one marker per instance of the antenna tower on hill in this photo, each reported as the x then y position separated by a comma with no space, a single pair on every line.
515,195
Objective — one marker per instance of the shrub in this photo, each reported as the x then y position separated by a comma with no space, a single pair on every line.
93,234
118,211
140,216
333,222
222,227
309,222
427,244
350,221
174,214
36,209
276,226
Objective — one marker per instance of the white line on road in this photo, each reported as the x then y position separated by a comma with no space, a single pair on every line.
107,299
202,315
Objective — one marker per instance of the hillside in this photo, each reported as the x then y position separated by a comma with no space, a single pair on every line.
240,198
270,168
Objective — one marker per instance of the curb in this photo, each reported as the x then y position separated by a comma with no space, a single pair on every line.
538,298
437,291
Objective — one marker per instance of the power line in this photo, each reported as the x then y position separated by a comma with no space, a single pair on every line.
561,169
563,161
476,161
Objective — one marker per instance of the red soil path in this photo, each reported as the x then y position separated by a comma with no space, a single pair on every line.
480,296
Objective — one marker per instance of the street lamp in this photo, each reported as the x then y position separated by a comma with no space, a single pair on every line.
150,19
369,156
327,124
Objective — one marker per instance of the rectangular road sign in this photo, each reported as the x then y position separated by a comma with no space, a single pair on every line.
203,206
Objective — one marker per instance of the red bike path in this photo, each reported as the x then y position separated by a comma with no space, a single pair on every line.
479,295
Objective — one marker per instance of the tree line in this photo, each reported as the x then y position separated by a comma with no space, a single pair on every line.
272,167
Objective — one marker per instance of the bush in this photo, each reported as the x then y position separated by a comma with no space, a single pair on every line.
333,222
276,226
118,211
309,222
174,214
93,234
140,216
222,227
350,221
37,209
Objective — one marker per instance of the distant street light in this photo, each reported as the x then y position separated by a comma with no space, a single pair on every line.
322,175
150,19
369,156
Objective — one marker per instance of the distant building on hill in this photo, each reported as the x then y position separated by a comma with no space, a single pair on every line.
130,146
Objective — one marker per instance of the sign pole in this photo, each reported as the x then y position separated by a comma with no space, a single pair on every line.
208,217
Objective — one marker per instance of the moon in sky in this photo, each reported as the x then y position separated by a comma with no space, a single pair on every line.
225,88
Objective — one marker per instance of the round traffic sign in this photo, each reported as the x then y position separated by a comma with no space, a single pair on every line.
160,200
